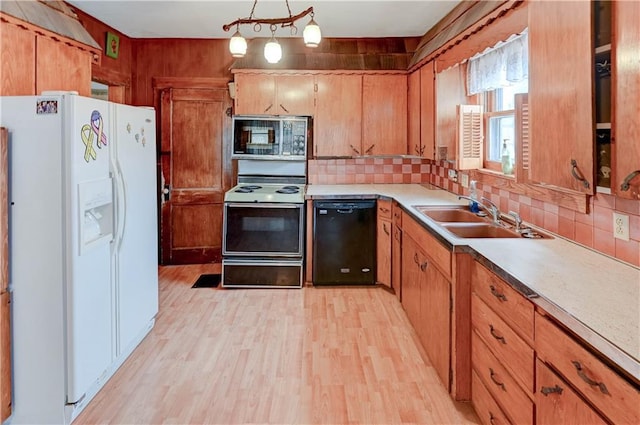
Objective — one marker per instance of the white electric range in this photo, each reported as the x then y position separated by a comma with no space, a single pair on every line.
264,226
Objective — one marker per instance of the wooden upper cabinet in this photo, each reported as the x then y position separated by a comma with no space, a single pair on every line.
626,119
258,94
255,94
560,94
413,114
295,94
337,120
427,111
60,67
384,114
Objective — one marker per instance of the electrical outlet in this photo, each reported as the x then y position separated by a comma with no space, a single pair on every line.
453,175
621,226
464,180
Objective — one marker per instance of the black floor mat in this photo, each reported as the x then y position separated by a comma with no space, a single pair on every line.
207,281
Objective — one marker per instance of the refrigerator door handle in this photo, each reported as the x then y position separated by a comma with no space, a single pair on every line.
122,205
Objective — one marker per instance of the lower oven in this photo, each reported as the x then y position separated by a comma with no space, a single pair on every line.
263,245
263,230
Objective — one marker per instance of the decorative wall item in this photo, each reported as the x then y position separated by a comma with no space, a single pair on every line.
112,45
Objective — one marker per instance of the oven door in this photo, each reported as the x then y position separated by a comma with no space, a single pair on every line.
263,230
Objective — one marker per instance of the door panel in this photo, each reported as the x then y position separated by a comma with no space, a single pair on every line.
194,126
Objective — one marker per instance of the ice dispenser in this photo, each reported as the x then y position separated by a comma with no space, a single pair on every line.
96,213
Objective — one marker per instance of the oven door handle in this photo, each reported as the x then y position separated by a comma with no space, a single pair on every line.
262,205
343,211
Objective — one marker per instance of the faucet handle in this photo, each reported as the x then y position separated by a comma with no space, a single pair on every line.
517,219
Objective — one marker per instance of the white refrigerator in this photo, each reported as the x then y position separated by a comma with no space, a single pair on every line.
83,246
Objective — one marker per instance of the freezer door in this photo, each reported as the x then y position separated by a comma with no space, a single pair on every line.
89,312
135,250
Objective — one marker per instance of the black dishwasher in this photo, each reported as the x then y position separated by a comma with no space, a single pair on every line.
344,242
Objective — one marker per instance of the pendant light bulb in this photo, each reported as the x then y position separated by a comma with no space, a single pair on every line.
312,34
238,45
272,50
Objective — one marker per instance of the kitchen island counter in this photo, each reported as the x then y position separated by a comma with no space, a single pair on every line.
595,296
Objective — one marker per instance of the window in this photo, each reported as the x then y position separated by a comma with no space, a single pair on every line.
498,74
500,123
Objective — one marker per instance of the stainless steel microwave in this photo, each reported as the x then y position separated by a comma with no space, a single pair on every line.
271,137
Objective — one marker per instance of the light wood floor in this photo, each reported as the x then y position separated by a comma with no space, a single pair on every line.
282,356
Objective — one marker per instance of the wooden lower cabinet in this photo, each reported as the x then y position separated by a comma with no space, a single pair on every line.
502,357
601,387
486,407
558,403
396,261
384,239
426,297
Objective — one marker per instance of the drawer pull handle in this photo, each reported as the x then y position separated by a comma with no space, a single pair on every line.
384,210
497,294
495,335
424,266
493,378
492,418
585,378
550,390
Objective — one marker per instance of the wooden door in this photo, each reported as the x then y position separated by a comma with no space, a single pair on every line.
626,114
383,249
384,114
396,261
561,94
435,317
255,94
413,114
338,115
427,111
411,257
295,95
195,131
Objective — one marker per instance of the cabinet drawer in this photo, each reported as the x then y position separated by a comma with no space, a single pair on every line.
557,403
441,256
397,214
511,306
511,350
486,407
384,208
609,392
502,386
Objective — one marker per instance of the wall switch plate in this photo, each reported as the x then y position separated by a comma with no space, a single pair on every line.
621,226
464,180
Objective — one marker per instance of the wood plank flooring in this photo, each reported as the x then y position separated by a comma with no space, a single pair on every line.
333,355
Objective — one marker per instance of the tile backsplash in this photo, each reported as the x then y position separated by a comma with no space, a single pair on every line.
593,230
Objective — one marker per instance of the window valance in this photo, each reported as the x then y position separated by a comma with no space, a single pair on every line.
502,65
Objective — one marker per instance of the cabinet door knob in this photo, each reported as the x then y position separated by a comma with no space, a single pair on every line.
424,266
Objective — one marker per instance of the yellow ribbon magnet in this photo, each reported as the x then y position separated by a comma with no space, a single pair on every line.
87,132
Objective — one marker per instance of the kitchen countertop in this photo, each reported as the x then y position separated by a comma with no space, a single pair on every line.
594,295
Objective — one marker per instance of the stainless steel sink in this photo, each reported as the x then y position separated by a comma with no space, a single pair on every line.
450,214
480,230
461,222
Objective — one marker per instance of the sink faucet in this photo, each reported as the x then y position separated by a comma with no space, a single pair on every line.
491,208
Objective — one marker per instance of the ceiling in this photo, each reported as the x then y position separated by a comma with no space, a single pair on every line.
205,18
